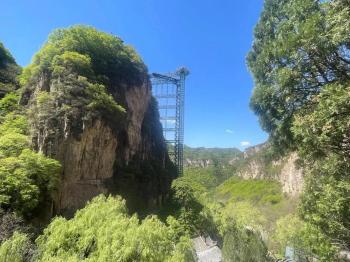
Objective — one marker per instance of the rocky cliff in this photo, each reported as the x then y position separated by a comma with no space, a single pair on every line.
256,165
92,109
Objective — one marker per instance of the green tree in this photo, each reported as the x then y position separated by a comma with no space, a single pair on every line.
103,231
244,245
324,129
87,52
16,249
326,147
80,70
14,123
188,207
9,71
27,180
9,103
12,144
301,67
292,59
289,232
327,207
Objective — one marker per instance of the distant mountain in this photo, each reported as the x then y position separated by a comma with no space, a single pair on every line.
204,157
255,162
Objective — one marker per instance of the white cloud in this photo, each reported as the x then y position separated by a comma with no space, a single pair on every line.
245,143
229,131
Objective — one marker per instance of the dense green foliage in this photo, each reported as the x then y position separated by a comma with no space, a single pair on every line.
27,178
82,50
80,71
301,66
244,245
9,71
103,231
9,104
326,145
296,52
240,214
255,191
16,249
257,204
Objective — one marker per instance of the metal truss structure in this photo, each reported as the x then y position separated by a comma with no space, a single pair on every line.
169,90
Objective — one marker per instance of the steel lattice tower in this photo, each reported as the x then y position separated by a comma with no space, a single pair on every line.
169,90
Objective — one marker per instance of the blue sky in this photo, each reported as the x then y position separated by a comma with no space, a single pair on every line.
209,37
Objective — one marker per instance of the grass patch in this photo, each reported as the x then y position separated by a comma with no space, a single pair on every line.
256,191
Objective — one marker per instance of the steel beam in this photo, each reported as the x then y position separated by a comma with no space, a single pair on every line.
169,90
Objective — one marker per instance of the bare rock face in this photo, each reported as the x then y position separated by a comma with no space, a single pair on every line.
87,163
137,100
253,170
291,177
127,158
202,163
249,151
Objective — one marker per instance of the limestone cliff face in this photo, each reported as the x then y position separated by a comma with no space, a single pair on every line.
253,170
291,176
127,158
203,163
285,170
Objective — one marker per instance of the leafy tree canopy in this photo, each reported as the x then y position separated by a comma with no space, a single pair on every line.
79,68
27,178
103,231
16,249
299,47
9,103
301,66
101,57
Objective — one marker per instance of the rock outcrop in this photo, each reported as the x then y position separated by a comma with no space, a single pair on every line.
284,170
202,163
291,176
131,161
102,149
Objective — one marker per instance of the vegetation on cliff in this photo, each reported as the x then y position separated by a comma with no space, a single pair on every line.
27,178
9,71
75,68
100,57
301,66
76,78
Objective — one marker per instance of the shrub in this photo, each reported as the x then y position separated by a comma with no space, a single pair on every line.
27,180
16,249
103,231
